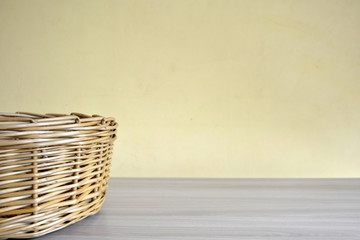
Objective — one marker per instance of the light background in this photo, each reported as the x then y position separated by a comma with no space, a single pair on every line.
200,88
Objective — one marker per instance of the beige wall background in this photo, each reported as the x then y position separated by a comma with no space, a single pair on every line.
220,88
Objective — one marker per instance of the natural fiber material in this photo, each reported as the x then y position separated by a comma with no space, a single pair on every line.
54,170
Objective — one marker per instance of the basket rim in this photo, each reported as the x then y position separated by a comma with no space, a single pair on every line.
29,117
27,130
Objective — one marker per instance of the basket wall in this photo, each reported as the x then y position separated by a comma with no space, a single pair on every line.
54,170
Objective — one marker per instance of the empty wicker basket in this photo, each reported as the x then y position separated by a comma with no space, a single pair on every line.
54,170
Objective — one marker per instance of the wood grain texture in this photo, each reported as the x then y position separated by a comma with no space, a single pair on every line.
203,209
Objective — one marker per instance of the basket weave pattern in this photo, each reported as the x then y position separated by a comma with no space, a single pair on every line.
54,170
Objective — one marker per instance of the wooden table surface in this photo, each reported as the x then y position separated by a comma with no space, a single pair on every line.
207,209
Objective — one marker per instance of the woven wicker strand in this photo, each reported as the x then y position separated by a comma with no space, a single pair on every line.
54,170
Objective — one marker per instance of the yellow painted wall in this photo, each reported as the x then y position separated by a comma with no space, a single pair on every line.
221,88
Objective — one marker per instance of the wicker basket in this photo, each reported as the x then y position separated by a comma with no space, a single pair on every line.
54,170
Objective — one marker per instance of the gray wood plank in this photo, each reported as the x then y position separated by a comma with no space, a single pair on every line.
214,209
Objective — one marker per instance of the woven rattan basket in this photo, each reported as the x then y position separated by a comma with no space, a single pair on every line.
54,170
